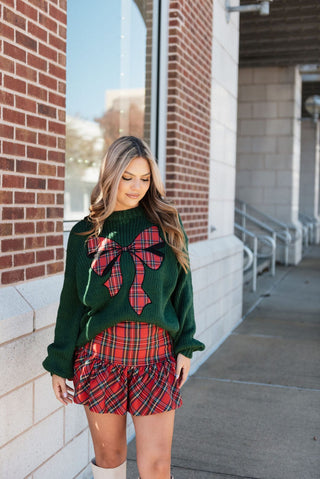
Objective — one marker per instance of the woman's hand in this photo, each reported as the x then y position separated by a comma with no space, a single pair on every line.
61,390
182,368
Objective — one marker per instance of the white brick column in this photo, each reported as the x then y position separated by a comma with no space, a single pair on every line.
309,170
268,148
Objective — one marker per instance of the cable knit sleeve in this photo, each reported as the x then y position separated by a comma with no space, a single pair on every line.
182,300
60,353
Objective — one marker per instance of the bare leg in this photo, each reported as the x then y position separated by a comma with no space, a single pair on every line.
108,432
153,442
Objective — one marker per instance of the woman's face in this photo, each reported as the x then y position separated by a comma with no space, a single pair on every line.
134,184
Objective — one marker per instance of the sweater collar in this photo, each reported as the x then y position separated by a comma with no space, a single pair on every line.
123,216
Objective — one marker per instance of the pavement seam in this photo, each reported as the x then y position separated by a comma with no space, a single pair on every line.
252,383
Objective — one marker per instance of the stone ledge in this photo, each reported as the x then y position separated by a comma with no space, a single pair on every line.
203,253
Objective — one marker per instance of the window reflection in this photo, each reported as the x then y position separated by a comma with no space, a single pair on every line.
108,87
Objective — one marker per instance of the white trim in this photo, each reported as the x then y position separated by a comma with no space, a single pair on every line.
163,89
154,76
159,92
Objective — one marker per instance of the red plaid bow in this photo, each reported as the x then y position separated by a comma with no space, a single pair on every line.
143,251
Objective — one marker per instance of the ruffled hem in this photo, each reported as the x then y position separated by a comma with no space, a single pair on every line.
107,387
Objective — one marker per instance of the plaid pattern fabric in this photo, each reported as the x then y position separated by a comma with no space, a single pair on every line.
143,250
128,367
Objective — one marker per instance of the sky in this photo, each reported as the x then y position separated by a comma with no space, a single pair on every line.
99,32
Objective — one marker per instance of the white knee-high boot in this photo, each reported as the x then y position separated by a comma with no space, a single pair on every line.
119,472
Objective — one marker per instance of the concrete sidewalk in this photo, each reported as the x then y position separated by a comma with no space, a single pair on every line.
252,410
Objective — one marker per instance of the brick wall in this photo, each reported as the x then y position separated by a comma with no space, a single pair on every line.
32,102
188,128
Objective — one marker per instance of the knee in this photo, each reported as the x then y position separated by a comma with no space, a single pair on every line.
110,458
155,467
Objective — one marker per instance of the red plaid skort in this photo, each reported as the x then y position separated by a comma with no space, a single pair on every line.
129,367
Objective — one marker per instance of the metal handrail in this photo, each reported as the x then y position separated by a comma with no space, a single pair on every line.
253,258
283,236
273,220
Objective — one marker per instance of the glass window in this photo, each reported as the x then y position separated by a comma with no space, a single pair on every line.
109,48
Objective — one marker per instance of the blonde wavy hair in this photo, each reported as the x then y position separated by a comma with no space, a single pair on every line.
157,207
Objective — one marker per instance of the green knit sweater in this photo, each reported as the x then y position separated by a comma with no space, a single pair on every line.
128,273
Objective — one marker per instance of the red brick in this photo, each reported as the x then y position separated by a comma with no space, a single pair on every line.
46,140
48,22
57,99
62,115
57,72
35,242
60,199
36,122
14,116
54,240
58,14
6,197
61,144
5,229
45,199
47,110
49,82
36,153
35,272
57,42
12,213
14,244
15,84
6,64
26,104
62,31
27,10
23,197
6,98
26,166
54,268
62,87
13,18
6,164
63,4
26,136
26,41
14,52
38,92
45,255
36,183
59,226
7,31
9,3
14,276
45,227
48,52
59,253
26,72
61,171
47,170
37,62
42,4
5,262
13,181
55,184
55,127
35,213
53,212
62,59
24,228
23,259
6,131
37,31
14,149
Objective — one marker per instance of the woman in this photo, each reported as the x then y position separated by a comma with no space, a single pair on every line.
125,323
